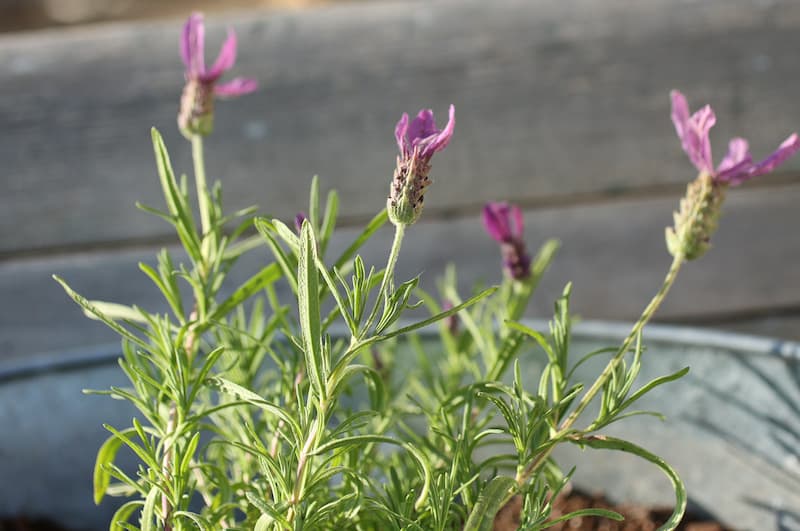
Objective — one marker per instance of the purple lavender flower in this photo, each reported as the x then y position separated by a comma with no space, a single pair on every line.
298,221
505,225
737,166
197,102
418,141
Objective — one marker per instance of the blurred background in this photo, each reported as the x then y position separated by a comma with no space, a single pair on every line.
562,107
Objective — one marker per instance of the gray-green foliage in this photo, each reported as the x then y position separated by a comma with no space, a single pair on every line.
330,409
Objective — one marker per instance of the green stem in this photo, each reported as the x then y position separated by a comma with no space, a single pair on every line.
387,283
647,314
200,182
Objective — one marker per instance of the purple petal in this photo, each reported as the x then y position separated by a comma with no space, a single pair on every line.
738,152
495,220
225,59
421,127
736,164
788,147
400,134
192,44
702,121
298,221
442,139
518,220
693,131
236,87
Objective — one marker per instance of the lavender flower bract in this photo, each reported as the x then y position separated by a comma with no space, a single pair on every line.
196,115
505,225
417,141
737,166
698,216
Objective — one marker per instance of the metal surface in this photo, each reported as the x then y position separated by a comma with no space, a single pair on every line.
732,429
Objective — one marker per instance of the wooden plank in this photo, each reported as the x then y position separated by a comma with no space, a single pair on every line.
613,252
554,100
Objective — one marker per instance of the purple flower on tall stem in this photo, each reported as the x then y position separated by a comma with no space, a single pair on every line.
417,141
737,166
505,225
197,102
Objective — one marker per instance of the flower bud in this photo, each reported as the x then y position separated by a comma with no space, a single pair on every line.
417,141
196,113
407,192
697,218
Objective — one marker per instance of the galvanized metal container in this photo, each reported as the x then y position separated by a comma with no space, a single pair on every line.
732,428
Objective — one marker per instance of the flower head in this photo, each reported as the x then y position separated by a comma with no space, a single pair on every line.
197,103
737,166
422,134
505,225
417,141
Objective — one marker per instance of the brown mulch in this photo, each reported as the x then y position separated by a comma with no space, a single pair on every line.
637,518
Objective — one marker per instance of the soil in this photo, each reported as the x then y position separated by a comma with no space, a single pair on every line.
637,518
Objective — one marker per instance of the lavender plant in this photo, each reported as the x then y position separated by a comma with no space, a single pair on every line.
331,408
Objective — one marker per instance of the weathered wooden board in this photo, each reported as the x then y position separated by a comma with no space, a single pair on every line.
614,253
555,100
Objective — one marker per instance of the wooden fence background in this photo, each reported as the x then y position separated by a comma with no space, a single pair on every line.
561,107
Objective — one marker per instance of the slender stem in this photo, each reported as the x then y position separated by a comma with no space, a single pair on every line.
200,182
166,466
387,283
647,314
303,461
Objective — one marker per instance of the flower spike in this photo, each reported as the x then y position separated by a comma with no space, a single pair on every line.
698,215
505,225
196,115
737,166
417,142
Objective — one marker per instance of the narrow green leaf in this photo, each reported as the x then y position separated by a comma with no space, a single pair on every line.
123,514
115,311
255,400
89,307
329,222
649,386
201,523
188,454
603,513
253,285
438,317
313,203
340,303
148,511
264,523
287,264
269,513
105,455
208,364
537,336
308,306
489,502
176,201
611,443
374,224
138,450
287,235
